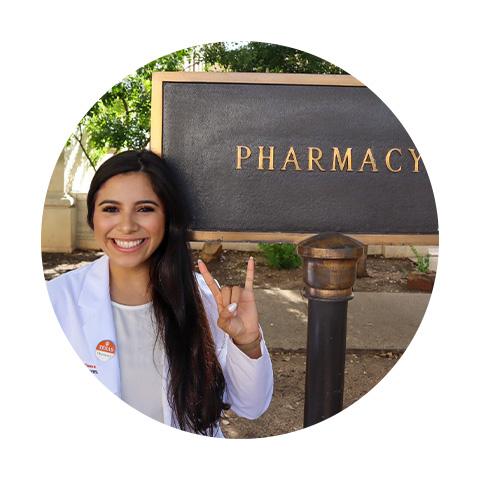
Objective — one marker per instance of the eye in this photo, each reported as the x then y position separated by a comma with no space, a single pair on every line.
110,209
146,208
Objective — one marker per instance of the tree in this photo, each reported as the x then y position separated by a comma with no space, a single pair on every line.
265,57
121,118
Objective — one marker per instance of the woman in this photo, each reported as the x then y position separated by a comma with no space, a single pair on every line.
168,341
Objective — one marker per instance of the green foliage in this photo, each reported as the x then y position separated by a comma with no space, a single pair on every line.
120,120
423,261
265,57
280,255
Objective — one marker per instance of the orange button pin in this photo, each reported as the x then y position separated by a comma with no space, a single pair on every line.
105,350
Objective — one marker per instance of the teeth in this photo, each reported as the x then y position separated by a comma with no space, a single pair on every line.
125,244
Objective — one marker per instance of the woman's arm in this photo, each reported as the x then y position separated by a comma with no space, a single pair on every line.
241,350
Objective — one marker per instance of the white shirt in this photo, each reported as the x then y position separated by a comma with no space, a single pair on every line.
140,357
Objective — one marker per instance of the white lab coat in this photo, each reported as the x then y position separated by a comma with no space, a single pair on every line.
81,300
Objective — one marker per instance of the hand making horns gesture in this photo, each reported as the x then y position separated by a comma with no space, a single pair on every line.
237,310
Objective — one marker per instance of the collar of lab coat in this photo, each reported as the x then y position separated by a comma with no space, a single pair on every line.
97,317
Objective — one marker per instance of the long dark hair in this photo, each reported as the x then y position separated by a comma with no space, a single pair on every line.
197,384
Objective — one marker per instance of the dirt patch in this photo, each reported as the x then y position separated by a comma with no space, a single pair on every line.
384,274
54,264
285,414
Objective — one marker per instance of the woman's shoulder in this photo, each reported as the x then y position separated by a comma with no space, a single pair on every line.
200,281
207,296
73,280
202,285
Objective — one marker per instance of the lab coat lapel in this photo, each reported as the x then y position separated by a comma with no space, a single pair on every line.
98,325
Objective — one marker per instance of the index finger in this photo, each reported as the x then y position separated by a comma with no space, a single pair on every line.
250,272
212,285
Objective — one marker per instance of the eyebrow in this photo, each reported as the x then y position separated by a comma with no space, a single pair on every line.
115,202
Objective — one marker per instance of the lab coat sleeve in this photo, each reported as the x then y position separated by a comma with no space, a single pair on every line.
249,381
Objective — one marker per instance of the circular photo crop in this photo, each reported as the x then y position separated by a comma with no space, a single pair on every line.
239,239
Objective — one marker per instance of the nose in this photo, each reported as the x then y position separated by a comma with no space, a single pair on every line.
127,223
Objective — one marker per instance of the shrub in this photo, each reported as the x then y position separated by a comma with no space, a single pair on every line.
423,261
280,255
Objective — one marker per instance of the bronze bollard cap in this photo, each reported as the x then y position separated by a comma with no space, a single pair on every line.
330,245
330,265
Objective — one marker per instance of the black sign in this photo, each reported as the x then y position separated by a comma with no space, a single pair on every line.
291,156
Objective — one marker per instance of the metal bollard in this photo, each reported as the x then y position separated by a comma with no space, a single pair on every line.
329,272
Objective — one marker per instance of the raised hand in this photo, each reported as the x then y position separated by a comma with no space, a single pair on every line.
238,315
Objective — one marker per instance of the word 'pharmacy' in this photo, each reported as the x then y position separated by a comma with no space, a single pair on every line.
394,160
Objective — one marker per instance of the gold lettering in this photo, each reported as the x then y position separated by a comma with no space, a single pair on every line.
337,157
241,157
416,159
315,159
341,159
387,160
262,157
293,159
369,160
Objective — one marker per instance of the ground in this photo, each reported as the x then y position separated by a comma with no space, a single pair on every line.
384,274
363,370
285,414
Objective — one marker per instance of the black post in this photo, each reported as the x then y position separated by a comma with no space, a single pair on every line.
330,262
326,343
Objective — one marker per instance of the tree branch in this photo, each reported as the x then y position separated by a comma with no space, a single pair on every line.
84,151
144,146
125,104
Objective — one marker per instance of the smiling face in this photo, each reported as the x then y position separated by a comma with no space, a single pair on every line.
128,220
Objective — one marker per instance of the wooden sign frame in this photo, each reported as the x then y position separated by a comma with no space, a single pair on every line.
156,145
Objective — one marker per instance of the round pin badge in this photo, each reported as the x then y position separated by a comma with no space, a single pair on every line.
105,350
